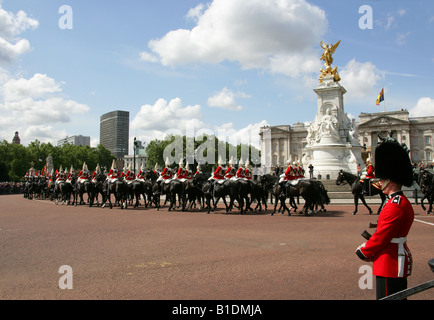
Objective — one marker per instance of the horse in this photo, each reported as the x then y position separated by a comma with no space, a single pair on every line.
175,188
357,189
85,186
260,192
119,189
425,180
314,194
283,191
220,189
98,187
193,189
64,190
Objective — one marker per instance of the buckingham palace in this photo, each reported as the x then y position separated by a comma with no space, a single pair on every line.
283,143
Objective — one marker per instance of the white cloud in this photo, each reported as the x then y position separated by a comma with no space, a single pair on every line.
11,26
255,33
360,79
246,135
33,106
158,120
40,85
423,108
226,99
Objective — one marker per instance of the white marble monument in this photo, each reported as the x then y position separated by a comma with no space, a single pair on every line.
332,141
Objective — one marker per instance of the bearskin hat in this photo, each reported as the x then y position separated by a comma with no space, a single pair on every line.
392,162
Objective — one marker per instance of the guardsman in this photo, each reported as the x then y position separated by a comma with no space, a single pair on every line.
96,172
366,179
289,174
248,171
142,173
129,175
188,172
218,173
241,173
124,172
387,247
112,175
198,169
181,171
84,173
230,172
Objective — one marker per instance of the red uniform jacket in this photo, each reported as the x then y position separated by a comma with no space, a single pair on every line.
166,174
218,173
288,173
240,173
180,174
394,224
370,174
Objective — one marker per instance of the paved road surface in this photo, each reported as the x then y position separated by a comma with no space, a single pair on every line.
144,254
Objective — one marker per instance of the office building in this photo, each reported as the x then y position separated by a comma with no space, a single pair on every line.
75,141
114,132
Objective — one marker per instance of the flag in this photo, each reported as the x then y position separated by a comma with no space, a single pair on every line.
380,97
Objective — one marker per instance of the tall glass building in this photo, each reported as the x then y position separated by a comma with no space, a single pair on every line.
114,132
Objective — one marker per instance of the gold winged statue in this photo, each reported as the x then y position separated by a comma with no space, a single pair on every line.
327,57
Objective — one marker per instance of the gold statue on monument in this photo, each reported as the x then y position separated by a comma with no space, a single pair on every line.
327,57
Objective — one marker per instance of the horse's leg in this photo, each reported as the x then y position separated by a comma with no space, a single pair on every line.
364,202
430,204
356,203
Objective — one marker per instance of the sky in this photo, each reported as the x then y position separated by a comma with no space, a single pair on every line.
223,67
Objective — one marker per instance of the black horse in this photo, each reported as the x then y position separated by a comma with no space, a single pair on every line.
98,188
175,188
357,190
314,194
119,189
215,189
65,189
85,186
282,191
425,179
193,190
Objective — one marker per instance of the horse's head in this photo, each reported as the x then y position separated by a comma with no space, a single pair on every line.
341,179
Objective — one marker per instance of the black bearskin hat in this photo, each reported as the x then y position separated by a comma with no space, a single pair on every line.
392,162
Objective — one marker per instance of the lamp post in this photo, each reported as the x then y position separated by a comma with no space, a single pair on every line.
134,156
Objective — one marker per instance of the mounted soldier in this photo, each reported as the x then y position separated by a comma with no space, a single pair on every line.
84,174
142,173
241,173
366,178
129,175
231,171
96,173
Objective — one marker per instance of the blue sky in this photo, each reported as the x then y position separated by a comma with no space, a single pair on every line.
230,65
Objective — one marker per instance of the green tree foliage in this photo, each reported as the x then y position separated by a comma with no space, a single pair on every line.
155,150
15,159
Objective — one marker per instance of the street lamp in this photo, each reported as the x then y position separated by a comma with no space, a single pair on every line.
136,144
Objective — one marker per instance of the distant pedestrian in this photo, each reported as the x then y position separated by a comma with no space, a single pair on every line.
311,171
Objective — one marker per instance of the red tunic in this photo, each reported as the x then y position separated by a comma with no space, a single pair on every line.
288,174
218,173
240,173
370,174
393,226
166,174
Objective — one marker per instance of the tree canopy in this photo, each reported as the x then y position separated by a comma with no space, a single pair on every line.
207,150
16,159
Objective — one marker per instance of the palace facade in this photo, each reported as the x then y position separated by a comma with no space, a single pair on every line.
282,143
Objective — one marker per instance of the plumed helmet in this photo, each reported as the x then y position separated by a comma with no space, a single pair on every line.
392,162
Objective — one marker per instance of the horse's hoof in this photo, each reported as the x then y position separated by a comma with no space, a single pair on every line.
354,213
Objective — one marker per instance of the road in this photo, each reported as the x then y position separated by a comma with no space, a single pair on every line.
144,254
